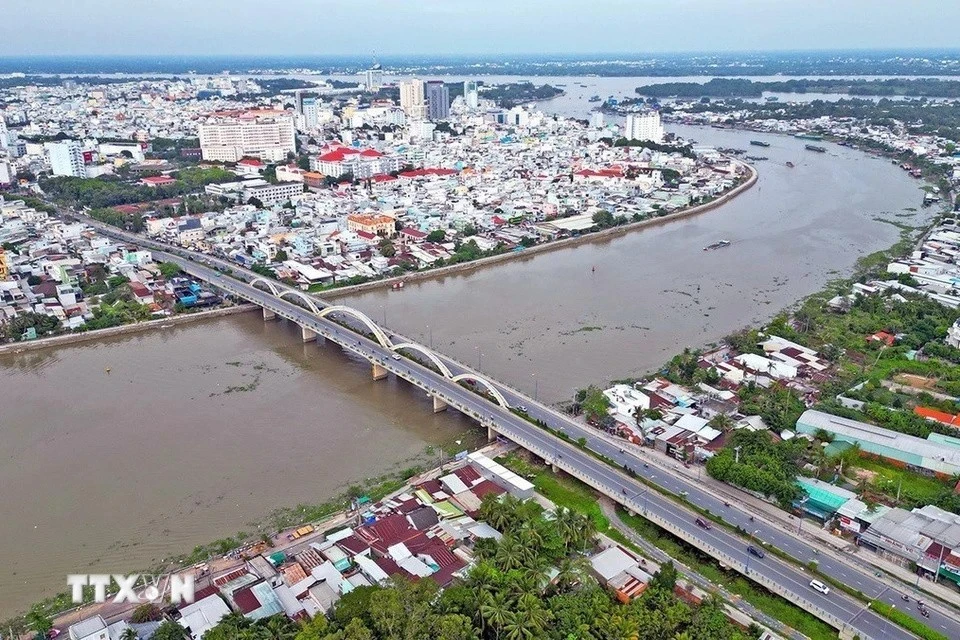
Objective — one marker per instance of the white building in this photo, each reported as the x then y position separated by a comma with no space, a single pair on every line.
66,158
471,97
117,148
373,78
270,194
6,175
90,629
411,98
644,126
268,135
421,129
596,120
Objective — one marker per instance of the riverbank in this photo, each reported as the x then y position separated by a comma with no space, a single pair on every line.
566,243
99,334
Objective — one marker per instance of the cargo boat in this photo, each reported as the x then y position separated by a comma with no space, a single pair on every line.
759,143
813,147
808,136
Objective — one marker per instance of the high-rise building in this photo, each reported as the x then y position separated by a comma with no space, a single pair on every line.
6,174
264,134
644,126
310,113
471,97
438,100
4,136
66,158
596,120
411,98
298,101
373,78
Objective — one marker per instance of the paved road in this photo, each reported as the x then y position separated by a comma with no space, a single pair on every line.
631,493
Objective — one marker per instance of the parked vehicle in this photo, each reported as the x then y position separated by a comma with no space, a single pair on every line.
704,523
755,551
816,585
396,356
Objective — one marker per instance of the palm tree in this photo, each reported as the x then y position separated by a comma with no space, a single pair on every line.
495,611
722,422
572,571
511,554
129,634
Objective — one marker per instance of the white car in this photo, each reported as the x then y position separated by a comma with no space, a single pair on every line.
396,356
816,585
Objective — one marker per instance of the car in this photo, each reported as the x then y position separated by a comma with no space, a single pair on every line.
755,551
816,585
396,356
704,523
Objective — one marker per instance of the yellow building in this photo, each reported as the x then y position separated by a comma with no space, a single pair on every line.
378,225
4,266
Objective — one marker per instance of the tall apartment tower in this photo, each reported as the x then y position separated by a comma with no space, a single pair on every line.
411,98
471,96
644,126
66,158
438,100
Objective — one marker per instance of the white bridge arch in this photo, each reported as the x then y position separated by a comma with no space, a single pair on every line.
381,336
486,384
272,287
302,296
378,333
413,346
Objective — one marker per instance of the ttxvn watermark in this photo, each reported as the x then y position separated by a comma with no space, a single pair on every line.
136,588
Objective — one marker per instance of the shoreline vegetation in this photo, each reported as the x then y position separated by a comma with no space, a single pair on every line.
743,88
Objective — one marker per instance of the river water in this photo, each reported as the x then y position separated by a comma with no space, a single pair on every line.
198,430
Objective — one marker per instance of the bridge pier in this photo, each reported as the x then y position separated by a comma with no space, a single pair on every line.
379,373
307,334
491,434
438,405
268,315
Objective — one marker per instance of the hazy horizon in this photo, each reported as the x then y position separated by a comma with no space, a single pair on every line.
468,27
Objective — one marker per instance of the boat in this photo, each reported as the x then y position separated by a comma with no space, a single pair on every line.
813,147
790,164
396,286
771,98
759,143
717,245
595,99
808,136
756,158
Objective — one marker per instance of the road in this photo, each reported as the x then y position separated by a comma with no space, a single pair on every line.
837,608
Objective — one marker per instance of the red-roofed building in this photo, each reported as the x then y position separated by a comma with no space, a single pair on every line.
250,167
157,181
409,234
427,173
938,416
338,160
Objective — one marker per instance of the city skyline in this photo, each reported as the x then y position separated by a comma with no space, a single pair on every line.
217,27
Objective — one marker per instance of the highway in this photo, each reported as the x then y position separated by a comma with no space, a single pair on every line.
836,608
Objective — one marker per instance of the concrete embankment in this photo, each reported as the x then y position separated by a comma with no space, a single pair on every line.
86,336
556,245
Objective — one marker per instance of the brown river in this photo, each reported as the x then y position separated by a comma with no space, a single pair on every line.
198,431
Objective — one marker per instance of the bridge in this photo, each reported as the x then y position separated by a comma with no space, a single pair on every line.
452,384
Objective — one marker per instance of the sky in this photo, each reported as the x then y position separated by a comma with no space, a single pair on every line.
432,27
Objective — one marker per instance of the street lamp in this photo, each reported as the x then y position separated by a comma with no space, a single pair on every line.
800,514
536,386
384,309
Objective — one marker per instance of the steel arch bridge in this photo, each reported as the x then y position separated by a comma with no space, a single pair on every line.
323,310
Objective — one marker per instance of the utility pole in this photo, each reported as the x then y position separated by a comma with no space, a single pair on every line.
736,458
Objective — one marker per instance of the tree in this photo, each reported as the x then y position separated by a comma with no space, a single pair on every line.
280,256
495,611
147,612
468,231
722,422
40,622
595,405
169,269
129,634
253,200
387,250
314,629
437,235
170,630
666,578
603,219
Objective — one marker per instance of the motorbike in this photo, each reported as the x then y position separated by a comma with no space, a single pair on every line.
905,598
